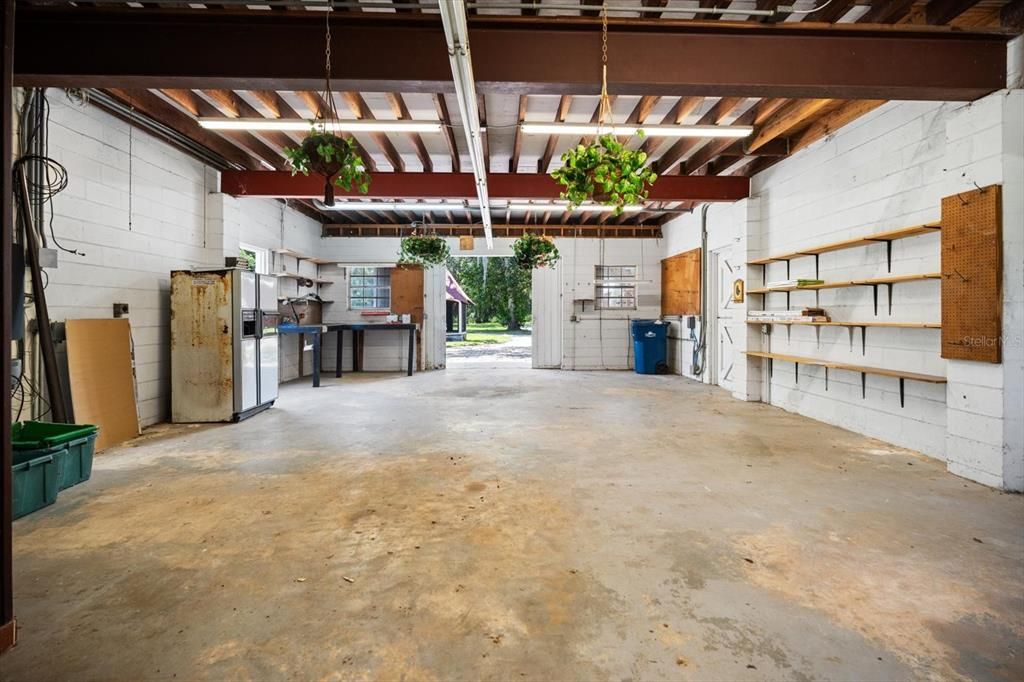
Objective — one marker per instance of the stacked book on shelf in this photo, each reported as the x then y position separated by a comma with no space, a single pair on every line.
794,283
801,315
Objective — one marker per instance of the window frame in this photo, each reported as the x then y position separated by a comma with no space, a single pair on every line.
359,273
615,283
262,257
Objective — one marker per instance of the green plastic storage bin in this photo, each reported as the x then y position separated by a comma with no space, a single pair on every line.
35,483
72,446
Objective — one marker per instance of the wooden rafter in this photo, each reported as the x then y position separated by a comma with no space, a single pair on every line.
449,134
591,12
714,148
677,115
785,119
166,113
715,115
1011,14
361,110
401,112
939,12
564,103
887,11
833,121
653,13
197,106
517,145
229,101
831,13
710,4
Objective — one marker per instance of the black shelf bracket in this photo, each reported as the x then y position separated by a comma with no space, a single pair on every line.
771,364
826,378
863,385
817,335
901,392
863,339
796,372
888,286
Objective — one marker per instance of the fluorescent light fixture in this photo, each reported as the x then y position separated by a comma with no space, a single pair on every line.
282,124
411,206
581,129
562,207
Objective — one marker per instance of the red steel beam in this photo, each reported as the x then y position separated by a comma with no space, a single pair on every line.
86,47
284,185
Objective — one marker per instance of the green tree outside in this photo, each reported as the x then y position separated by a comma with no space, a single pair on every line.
498,287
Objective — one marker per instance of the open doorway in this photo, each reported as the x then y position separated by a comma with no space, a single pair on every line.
489,313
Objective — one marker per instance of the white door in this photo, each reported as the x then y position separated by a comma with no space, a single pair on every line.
728,317
546,302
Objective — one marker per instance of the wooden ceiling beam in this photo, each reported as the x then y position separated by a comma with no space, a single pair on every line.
655,5
886,11
517,145
785,119
149,104
708,4
544,164
449,134
683,107
362,111
1011,15
831,13
401,112
714,116
230,101
833,121
197,106
940,12
714,148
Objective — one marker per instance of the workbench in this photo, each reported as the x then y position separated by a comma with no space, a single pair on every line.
358,332
316,331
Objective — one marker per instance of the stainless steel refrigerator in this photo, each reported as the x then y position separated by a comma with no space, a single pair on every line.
224,344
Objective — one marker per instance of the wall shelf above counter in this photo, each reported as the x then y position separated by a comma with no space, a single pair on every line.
887,238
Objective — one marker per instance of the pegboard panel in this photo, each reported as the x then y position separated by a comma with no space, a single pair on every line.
972,275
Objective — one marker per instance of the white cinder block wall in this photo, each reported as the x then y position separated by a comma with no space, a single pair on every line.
137,209
595,340
887,170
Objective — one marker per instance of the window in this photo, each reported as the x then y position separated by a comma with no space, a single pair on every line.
369,289
615,287
257,259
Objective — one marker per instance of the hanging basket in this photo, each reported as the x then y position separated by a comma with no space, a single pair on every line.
424,250
333,157
534,251
606,172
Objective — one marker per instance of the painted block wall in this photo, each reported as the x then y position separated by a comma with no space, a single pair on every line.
594,341
887,170
137,209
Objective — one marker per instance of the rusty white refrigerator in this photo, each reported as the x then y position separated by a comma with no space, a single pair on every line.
224,344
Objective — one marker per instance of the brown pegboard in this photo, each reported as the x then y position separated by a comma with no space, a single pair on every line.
680,284
972,275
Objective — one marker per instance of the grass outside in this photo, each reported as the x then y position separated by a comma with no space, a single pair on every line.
482,333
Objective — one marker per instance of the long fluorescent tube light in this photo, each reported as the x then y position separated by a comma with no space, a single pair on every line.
393,206
282,124
563,207
581,129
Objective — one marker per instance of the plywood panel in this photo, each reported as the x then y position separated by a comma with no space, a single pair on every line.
972,275
102,382
407,299
680,284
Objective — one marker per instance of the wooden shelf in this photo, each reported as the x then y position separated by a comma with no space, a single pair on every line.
292,275
863,370
876,238
292,254
895,325
899,374
890,279
322,261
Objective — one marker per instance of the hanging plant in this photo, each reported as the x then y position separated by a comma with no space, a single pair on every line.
533,251
333,157
425,250
606,172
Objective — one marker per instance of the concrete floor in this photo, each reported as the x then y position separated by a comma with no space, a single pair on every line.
519,525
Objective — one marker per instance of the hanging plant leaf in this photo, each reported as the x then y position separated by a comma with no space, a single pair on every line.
533,251
425,250
335,158
606,172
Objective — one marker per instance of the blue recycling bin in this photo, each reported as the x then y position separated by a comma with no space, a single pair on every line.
650,346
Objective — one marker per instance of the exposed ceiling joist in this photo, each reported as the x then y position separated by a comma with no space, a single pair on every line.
784,120
234,51
715,115
939,12
544,164
357,105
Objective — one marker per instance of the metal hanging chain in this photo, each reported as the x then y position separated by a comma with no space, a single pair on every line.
332,113
604,107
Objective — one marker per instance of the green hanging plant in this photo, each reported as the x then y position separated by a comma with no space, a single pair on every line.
606,172
425,250
534,251
336,158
